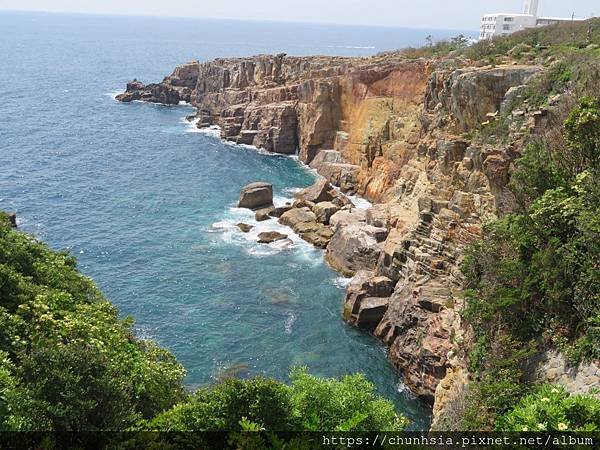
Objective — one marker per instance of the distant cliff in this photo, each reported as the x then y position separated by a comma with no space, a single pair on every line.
415,136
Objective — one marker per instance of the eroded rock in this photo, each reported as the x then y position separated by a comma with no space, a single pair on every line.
371,311
269,237
355,247
255,196
324,211
319,192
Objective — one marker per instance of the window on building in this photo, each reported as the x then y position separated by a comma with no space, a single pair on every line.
506,27
509,19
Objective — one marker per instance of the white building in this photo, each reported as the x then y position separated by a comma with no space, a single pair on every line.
502,24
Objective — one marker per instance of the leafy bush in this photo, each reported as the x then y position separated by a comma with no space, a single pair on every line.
308,403
222,407
349,404
551,408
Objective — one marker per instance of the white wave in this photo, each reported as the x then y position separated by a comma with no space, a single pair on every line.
359,202
291,190
114,94
289,323
230,234
341,282
279,200
192,127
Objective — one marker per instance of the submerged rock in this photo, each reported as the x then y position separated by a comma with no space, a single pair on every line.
258,195
244,227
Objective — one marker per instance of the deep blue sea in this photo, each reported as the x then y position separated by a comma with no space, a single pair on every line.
148,205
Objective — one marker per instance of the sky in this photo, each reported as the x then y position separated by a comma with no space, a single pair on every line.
443,14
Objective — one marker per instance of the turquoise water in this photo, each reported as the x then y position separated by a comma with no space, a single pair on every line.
147,204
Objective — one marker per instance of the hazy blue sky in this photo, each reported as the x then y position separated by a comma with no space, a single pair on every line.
452,14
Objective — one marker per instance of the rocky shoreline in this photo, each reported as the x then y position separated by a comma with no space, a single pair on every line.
396,132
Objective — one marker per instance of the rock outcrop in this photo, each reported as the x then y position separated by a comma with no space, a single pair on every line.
391,130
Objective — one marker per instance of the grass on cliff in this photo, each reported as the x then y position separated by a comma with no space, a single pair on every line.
69,363
533,281
542,41
527,46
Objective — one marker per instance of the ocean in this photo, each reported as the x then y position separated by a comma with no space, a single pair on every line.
147,203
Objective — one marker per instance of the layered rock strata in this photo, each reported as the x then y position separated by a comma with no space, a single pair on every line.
393,131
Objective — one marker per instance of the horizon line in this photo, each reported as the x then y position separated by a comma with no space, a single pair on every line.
194,17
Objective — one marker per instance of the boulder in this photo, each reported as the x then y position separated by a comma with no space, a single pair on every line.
371,311
256,196
279,211
496,168
304,204
331,165
318,192
379,286
263,214
271,236
340,200
343,175
362,286
304,222
324,211
347,217
320,237
355,247
244,227
135,85
296,216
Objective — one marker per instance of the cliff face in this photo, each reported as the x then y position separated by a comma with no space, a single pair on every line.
393,131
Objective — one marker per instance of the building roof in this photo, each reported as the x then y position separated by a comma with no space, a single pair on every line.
508,14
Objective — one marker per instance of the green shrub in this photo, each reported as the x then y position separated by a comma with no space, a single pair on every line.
551,408
349,404
223,406
308,403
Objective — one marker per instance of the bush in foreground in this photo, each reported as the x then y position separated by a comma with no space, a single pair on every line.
551,408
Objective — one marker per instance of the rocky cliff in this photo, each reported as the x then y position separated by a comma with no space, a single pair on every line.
396,131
